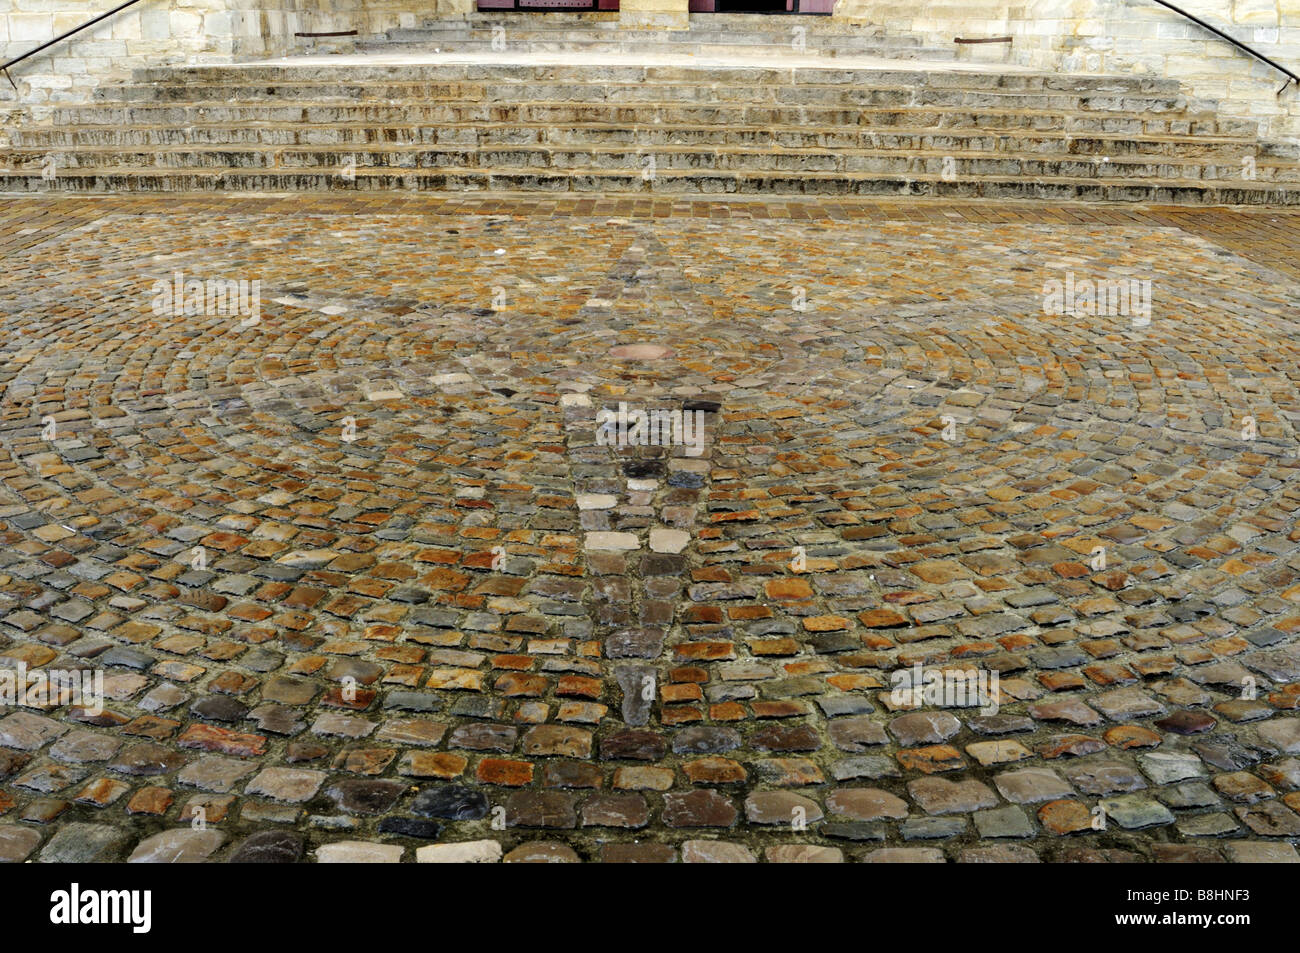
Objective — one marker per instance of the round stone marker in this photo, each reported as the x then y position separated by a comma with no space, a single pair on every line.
640,352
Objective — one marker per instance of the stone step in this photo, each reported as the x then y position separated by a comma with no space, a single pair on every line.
668,93
521,35
666,182
880,51
821,83
600,73
668,96
580,123
662,158
702,44
650,114
956,140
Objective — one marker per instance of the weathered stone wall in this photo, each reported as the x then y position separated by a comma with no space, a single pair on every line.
370,18
172,32
1124,36
154,32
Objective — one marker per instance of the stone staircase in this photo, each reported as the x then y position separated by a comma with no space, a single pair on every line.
708,34
508,122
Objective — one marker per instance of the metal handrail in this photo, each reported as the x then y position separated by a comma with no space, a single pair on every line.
59,39
1291,77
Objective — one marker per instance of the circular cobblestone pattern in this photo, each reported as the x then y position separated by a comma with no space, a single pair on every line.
367,574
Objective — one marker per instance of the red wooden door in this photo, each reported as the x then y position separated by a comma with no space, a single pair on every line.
805,6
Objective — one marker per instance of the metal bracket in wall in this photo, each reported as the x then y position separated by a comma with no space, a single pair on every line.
15,85
988,39
335,33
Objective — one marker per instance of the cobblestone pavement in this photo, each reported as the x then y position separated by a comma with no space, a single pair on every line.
363,582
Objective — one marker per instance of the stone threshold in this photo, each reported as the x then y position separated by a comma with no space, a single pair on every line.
580,58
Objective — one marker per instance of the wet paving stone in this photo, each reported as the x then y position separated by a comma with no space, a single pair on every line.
177,847
359,852
1134,811
804,854
1000,854
287,784
1167,767
1065,817
361,574
410,827
1131,736
542,852
1243,787
541,809
557,741
26,731
706,739
366,797
215,773
944,796
615,810
856,733
17,843
1031,785
1270,819
638,853
856,831
1188,795
465,852
865,766
1282,734
990,753
450,801
146,760
703,808
781,807
904,855
1186,723
1104,777
924,728
1256,852
82,843
1186,854
633,745
268,847
866,804
932,759
1284,774
715,852
999,724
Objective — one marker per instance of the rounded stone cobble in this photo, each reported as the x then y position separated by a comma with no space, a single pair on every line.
364,583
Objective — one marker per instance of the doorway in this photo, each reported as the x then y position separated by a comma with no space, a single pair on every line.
749,6
811,7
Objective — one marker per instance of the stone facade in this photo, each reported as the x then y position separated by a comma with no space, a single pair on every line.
1086,36
1124,36
152,33
370,18
178,32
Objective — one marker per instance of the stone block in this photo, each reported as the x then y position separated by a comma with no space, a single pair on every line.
155,25
27,27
